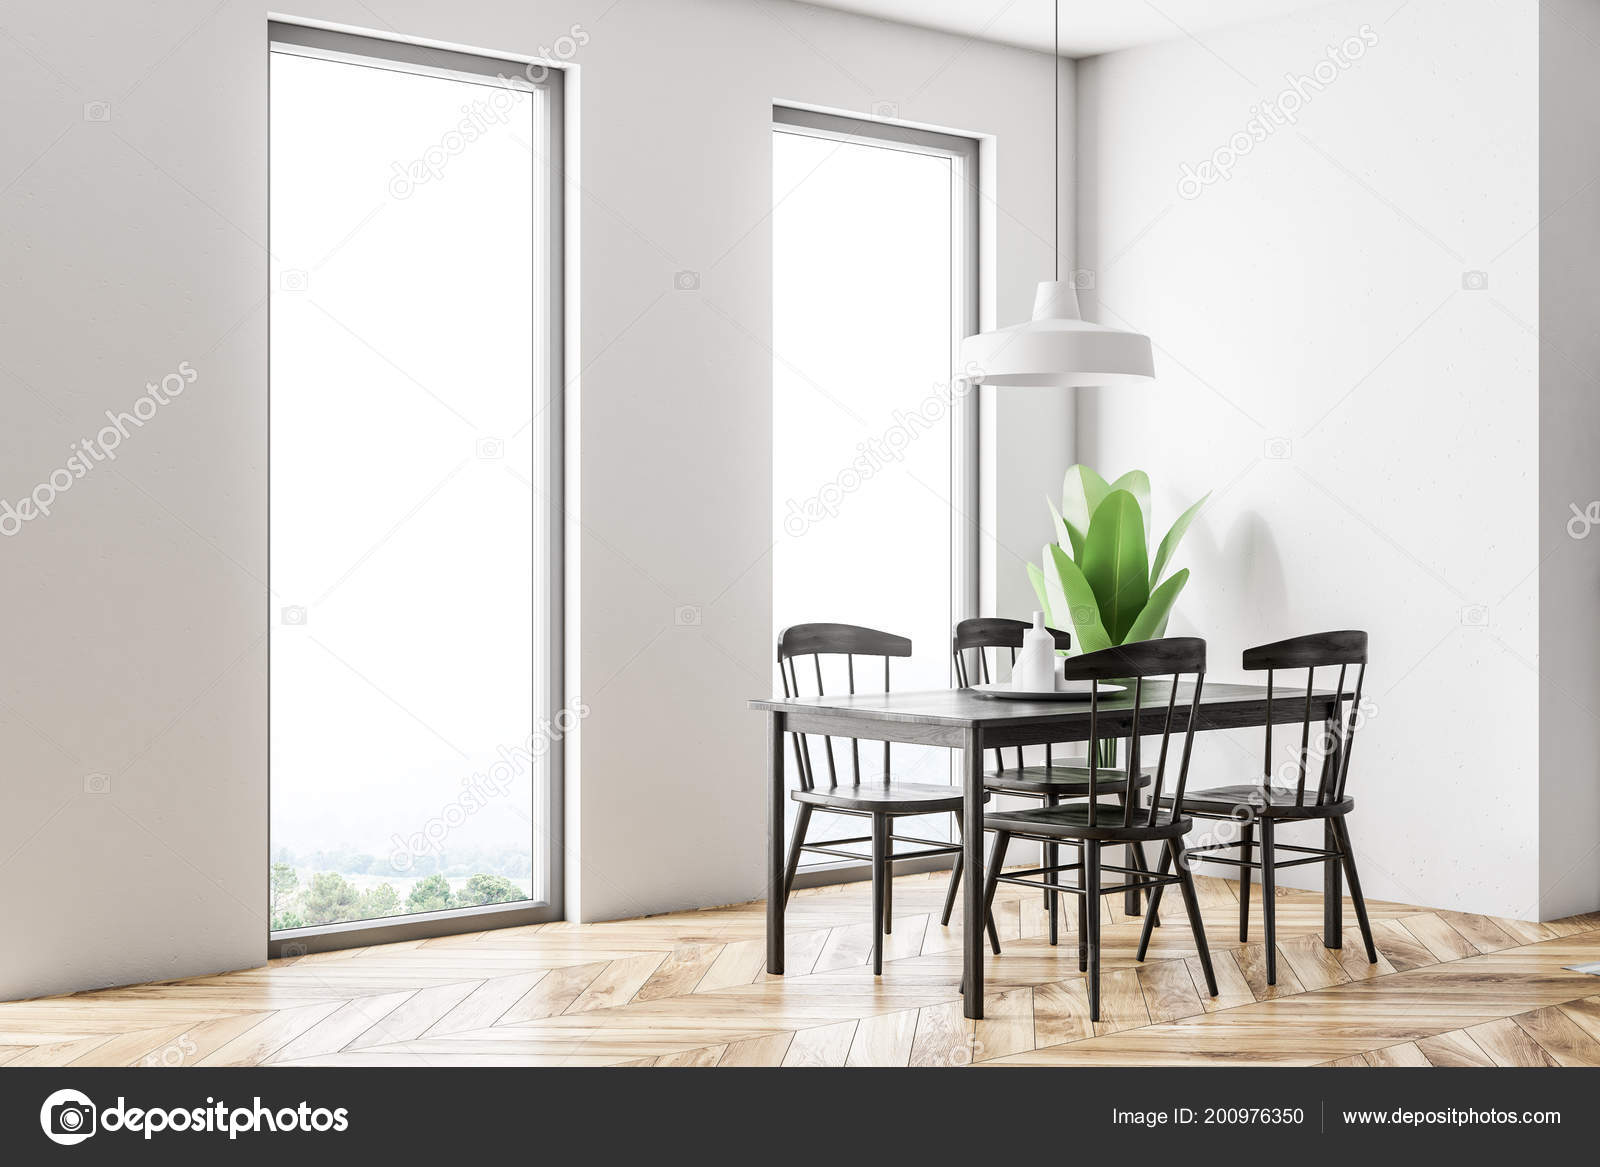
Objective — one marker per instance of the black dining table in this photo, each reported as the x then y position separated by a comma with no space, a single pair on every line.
968,721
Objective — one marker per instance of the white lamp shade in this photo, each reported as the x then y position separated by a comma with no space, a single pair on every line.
1057,348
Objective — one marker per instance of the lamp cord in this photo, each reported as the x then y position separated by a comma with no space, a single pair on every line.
1055,190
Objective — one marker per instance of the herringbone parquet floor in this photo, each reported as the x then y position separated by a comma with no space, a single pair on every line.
690,989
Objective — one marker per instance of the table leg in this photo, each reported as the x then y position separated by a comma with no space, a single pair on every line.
775,852
972,843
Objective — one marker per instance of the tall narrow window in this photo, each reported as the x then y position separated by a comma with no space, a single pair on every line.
873,439
415,406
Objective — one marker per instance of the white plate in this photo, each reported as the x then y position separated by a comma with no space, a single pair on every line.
1069,691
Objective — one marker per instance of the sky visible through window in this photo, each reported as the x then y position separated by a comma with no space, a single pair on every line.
402,555
862,449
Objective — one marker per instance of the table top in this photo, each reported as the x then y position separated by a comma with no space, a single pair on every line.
967,708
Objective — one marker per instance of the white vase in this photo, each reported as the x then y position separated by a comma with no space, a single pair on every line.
1035,670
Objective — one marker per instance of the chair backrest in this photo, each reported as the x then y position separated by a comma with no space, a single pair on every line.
818,641
983,640
1154,668
1319,650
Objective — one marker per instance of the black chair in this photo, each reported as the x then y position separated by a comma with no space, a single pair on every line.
1264,805
882,801
977,646
1155,669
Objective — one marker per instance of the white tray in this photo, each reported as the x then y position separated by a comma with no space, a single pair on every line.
1069,691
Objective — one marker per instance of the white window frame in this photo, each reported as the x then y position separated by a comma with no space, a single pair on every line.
962,152
548,331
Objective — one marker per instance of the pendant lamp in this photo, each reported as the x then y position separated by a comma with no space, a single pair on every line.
1057,347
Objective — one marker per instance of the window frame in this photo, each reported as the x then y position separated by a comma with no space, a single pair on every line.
548,328
963,153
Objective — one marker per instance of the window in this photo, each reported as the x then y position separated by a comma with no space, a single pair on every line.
874,442
414,485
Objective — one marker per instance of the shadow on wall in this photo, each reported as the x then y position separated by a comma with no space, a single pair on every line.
1250,541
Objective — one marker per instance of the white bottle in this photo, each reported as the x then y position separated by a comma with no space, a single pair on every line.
1035,670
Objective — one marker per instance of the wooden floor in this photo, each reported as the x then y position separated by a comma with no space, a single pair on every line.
690,989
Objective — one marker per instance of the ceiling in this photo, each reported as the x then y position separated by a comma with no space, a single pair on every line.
1088,27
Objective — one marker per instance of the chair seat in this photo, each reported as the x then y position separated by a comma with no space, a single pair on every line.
1065,780
893,798
1072,822
1275,803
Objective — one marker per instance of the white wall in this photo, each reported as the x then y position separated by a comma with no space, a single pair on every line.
1370,427
135,643
1569,452
675,451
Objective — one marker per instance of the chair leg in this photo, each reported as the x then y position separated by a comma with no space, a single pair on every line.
1342,835
888,878
1192,903
1083,914
1091,895
1143,864
950,892
1154,905
988,916
1130,898
880,834
950,900
1247,835
1269,899
992,882
1131,903
801,822
1052,856
1332,892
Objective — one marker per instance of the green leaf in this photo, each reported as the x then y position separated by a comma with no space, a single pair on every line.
1152,622
1174,537
1089,634
1081,495
1041,589
1114,562
1066,534
1048,586
1137,483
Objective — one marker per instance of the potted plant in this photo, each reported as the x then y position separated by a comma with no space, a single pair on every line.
1099,574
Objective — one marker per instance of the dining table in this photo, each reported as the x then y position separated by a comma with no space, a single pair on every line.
970,722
